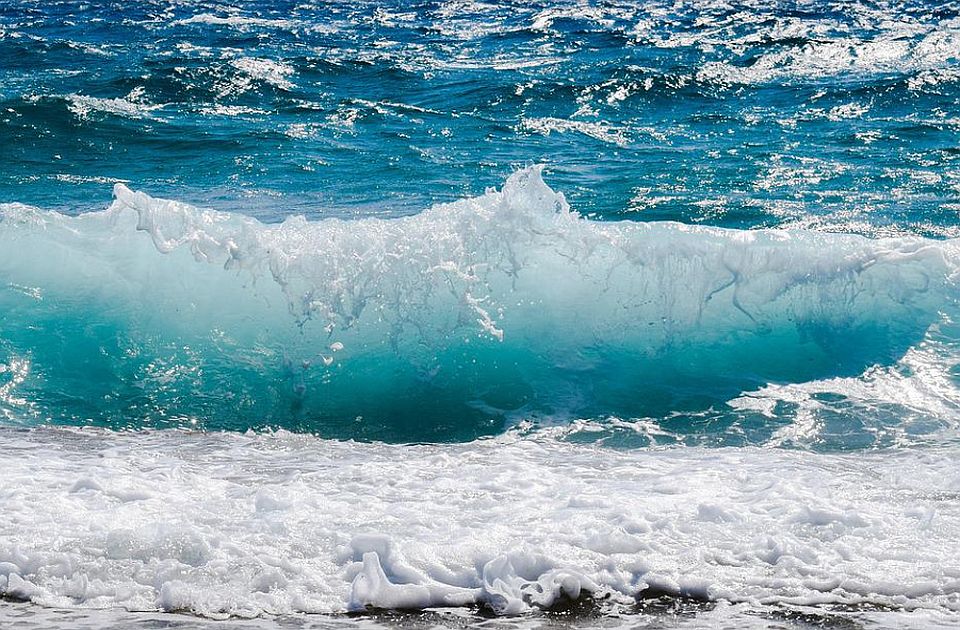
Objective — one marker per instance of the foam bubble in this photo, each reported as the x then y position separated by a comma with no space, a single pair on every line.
273,524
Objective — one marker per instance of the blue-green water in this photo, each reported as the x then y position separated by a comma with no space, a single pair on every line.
548,302
597,313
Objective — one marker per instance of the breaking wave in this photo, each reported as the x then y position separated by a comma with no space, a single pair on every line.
446,325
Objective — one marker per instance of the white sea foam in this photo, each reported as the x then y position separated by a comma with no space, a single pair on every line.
898,405
246,525
545,18
133,105
220,109
890,53
240,22
88,179
268,71
598,130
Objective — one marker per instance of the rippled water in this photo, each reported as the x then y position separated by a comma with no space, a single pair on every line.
742,114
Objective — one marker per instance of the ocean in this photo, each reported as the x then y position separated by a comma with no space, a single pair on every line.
549,314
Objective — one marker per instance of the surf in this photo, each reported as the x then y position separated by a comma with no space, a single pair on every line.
446,325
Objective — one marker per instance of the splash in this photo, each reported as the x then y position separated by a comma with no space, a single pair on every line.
445,325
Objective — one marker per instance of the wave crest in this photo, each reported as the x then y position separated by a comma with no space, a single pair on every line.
442,325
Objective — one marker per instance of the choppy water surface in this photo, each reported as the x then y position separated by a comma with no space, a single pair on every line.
498,314
741,114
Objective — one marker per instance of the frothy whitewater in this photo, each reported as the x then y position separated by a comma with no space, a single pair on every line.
245,525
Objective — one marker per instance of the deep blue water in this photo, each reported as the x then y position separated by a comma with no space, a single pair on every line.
840,115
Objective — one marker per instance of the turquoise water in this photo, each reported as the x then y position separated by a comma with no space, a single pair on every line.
811,117
574,312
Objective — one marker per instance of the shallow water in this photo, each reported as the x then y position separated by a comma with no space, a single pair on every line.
227,524
674,615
